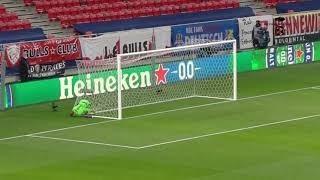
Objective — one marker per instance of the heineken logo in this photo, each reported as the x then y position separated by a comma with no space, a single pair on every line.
299,53
161,75
71,86
95,83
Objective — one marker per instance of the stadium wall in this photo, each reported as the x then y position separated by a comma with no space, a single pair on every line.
41,91
52,57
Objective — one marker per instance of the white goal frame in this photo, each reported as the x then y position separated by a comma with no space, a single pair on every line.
119,57
120,95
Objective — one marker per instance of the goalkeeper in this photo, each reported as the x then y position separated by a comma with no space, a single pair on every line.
83,108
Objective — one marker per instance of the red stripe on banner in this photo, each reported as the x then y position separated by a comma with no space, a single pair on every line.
44,52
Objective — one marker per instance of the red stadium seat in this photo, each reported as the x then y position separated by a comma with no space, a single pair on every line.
53,13
100,17
26,24
64,21
93,18
270,3
2,9
165,3
28,2
156,11
235,3
149,11
53,4
118,6
95,9
146,3
86,9
72,20
106,16
114,15
157,3
203,6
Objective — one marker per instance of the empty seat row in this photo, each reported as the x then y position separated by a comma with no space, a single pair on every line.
54,13
15,25
45,6
9,21
7,16
2,9
68,20
272,3
88,2
145,3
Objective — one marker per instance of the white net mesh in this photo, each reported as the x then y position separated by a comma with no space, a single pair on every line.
100,77
205,70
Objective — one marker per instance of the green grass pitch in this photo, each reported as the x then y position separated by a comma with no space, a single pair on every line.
272,132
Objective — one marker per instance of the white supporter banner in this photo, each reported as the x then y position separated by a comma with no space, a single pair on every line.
144,39
107,45
101,47
252,35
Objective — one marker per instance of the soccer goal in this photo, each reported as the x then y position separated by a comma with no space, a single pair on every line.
159,76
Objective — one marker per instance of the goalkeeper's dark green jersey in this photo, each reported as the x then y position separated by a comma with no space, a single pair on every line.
83,108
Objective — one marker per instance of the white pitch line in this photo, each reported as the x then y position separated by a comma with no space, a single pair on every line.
13,137
83,142
132,117
276,93
316,88
55,130
220,102
228,131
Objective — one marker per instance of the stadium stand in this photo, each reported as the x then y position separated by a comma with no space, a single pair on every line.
71,12
273,3
10,21
156,21
79,13
297,6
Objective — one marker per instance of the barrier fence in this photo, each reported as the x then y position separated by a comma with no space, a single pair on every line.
51,57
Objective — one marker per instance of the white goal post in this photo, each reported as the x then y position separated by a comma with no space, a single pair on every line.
150,77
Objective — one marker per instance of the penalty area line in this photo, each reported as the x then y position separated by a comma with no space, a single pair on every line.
83,142
221,102
228,131
144,115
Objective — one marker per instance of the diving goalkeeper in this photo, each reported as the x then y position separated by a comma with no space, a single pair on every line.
83,108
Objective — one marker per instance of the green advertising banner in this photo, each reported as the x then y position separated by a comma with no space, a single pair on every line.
33,92
290,54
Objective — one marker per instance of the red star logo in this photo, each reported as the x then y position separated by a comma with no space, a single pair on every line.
161,74
299,53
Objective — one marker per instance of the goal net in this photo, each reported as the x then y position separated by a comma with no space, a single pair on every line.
151,77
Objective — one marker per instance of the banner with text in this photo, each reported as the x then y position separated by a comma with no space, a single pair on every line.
204,32
46,70
21,94
288,55
44,52
111,44
255,31
102,47
296,28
